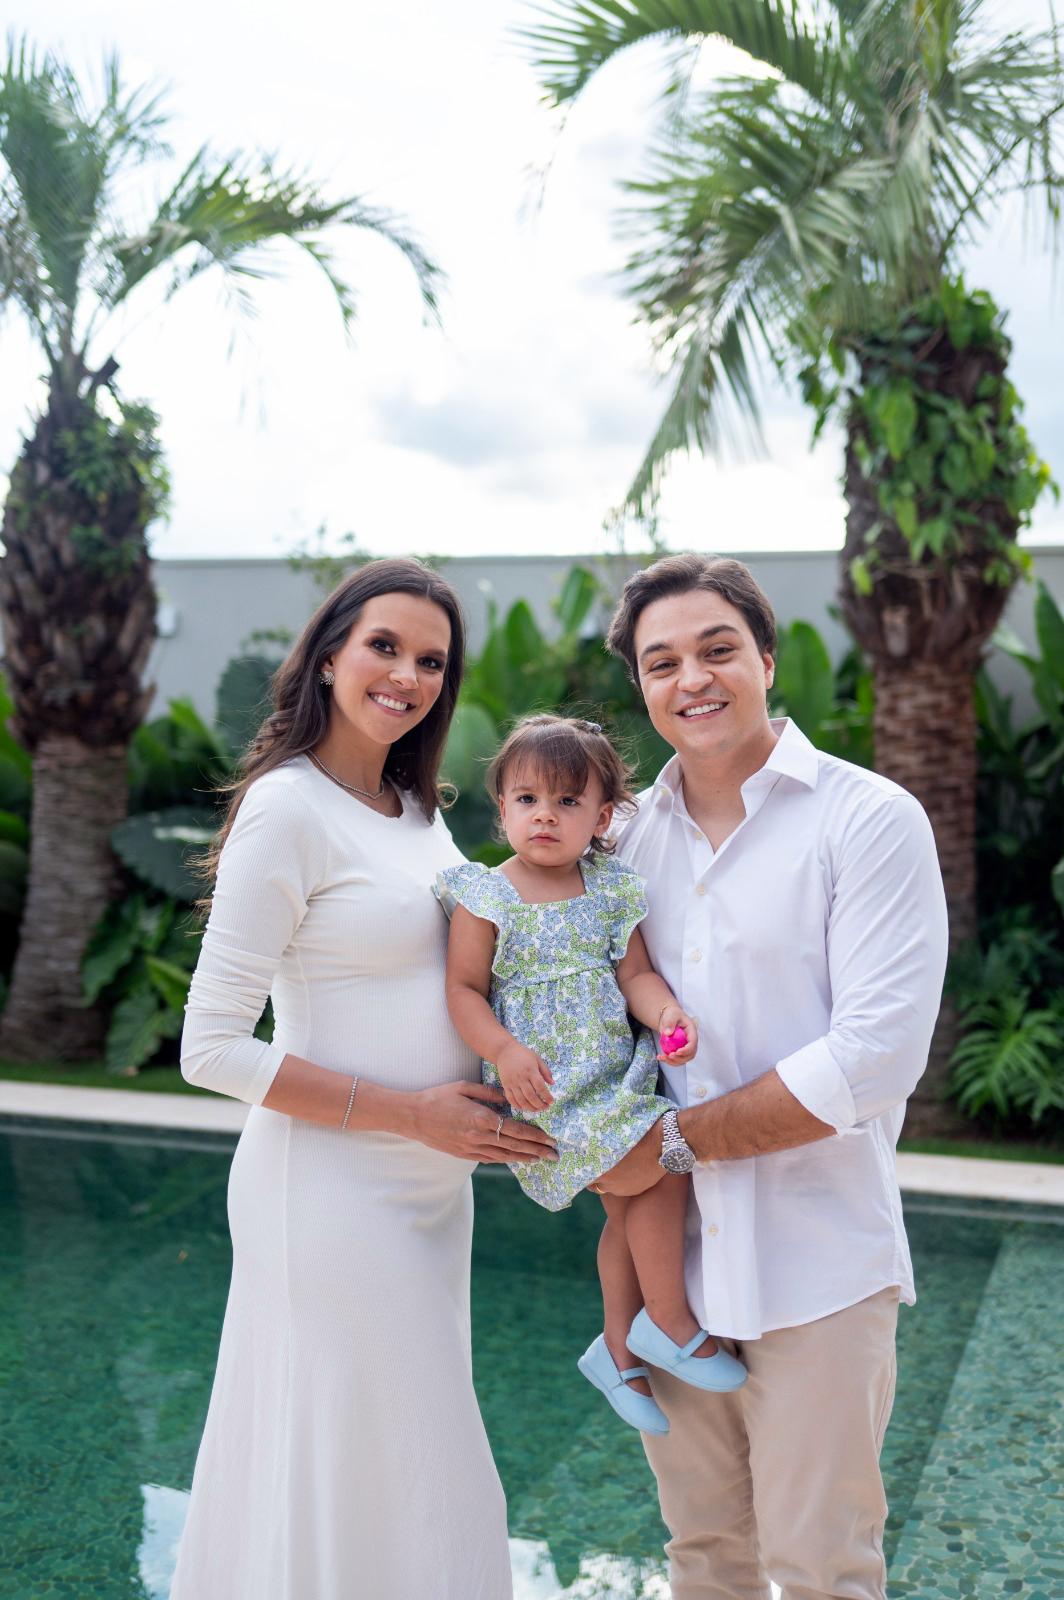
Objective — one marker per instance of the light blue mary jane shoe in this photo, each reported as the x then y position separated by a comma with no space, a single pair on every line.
638,1410
720,1373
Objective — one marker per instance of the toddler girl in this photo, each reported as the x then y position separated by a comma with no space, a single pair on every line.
544,964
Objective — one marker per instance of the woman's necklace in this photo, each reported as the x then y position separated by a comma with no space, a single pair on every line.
352,788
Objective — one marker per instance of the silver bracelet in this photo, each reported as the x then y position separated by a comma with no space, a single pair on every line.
350,1103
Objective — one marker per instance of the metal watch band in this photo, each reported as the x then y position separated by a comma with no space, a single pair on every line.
676,1153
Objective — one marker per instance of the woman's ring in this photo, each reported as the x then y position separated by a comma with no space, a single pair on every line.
498,1130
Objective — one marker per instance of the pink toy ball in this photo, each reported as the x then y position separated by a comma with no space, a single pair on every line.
671,1042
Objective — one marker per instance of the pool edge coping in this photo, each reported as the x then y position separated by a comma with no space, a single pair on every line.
970,1177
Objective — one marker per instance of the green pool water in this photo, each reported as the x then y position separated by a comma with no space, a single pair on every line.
114,1263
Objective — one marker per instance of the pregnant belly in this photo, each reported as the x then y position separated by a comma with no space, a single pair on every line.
407,1052
277,1151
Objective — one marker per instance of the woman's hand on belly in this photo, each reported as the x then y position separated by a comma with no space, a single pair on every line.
469,1120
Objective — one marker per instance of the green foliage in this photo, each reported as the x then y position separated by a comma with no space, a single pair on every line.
1010,990
1009,1064
1020,792
174,757
159,848
15,801
140,961
1010,1061
107,459
243,700
328,568
947,458
16,765
14,870
833,707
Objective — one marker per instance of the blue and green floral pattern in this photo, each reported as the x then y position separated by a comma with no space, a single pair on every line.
554,988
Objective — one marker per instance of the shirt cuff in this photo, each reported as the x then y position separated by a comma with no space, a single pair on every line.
819,1084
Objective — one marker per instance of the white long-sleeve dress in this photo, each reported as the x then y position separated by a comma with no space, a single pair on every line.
344,1456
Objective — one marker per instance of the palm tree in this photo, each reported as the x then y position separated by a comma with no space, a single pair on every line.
77,603
807,215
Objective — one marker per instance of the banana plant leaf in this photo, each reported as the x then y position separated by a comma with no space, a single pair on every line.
471,743
139,1024
244,699
157,846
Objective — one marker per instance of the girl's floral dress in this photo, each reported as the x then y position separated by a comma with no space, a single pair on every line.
554,989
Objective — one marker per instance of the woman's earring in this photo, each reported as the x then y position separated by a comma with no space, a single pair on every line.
327,677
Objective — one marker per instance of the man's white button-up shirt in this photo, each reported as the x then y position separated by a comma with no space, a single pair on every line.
818,948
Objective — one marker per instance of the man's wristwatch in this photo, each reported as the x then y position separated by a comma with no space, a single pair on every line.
676,1154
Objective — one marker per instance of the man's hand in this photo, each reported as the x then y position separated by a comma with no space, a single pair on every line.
524,1077
755,1120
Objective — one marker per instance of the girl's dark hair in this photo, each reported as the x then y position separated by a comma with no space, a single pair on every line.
679,574
565,752
300,714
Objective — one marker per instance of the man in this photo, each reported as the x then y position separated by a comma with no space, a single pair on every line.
796,909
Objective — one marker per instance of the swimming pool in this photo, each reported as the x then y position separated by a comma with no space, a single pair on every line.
114,1261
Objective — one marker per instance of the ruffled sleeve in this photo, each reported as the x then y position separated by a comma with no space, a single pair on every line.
624,899
473,885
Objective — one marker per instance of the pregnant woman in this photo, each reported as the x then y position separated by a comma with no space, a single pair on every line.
344,1454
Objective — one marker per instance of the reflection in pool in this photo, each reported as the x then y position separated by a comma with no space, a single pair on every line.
600,1577
114,1260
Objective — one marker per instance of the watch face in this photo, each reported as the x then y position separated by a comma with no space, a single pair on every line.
678,1160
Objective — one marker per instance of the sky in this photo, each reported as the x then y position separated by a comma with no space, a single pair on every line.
518,424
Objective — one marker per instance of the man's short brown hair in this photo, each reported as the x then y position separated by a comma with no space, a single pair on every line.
671,575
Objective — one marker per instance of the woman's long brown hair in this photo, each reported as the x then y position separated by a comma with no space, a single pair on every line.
300,715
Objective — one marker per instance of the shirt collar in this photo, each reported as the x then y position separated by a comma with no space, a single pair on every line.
792,756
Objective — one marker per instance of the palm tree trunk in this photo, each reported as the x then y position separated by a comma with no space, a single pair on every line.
925,735
79,794
925,738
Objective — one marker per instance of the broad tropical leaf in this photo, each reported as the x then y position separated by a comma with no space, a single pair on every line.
139,1024
158,847
576,602
471,743
244,699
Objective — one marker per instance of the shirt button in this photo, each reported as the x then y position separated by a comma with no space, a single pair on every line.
713,1230
701,889
696,955
699,1091
699,836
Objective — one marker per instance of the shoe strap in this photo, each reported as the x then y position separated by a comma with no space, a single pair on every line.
693,1344
634,1372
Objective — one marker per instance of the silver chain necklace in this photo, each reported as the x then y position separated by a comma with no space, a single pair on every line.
352,788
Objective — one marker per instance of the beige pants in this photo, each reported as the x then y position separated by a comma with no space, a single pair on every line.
781,1479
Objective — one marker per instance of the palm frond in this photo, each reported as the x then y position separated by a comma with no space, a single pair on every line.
782,210
21,281
697,415
226,216
53,168
61,159
758,189
574,38
68,258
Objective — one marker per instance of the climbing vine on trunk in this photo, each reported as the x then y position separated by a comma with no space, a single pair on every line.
940,467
